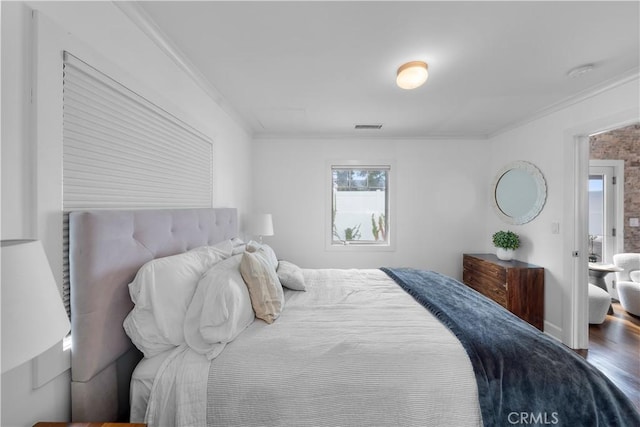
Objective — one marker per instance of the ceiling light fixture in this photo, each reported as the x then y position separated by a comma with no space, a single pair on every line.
412,74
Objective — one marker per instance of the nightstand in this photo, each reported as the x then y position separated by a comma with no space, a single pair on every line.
58,424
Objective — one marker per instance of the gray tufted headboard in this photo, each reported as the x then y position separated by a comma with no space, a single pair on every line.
106,249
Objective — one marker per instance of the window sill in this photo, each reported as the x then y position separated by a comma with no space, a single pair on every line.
359,247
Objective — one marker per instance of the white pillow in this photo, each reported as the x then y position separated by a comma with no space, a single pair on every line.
220,309
162,291
267,252
635,276
238,246
290,276
224,248
265,290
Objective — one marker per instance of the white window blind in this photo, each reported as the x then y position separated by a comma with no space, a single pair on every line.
122,151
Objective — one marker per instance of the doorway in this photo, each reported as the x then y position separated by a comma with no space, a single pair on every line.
606,207
581,152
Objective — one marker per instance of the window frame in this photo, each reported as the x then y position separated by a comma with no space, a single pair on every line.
390,244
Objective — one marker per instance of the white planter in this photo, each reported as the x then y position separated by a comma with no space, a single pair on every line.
504,254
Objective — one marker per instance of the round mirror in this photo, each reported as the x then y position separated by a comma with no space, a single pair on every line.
519,192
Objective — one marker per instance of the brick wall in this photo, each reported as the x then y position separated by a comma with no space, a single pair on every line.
624,144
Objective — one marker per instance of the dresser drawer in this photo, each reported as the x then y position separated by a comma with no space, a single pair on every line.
488,270
515,285
487,286
482,278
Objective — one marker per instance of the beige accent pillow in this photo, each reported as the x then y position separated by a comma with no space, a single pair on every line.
290,276
265,290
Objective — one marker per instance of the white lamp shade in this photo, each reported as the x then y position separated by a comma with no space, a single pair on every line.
261,225
33,315
412,75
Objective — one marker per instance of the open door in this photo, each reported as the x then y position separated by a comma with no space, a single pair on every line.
605,222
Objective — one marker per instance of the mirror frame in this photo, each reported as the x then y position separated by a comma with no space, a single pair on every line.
541,186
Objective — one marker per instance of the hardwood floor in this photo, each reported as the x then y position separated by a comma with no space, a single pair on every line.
614,348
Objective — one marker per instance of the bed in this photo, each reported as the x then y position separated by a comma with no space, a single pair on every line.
393,346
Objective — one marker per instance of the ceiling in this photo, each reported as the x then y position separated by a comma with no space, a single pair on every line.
316,69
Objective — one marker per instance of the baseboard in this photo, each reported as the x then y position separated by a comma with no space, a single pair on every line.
553,331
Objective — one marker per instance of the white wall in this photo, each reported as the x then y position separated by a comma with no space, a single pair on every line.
101,34
16,154
441,190
548,143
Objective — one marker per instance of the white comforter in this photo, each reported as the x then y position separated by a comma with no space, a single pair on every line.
354,349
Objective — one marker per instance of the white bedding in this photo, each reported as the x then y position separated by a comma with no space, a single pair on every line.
142,382
354,349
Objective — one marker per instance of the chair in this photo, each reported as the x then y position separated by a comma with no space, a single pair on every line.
628,281
599,303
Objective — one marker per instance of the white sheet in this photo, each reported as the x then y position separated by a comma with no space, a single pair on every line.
354,349
141,383
179,392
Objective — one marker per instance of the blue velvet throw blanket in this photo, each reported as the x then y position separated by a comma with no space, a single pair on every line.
524,377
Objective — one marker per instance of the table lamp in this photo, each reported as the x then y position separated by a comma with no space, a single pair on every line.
260,225
33,315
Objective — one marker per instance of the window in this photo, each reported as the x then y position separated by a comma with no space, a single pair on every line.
360,205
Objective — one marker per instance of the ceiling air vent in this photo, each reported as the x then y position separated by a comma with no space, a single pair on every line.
369,126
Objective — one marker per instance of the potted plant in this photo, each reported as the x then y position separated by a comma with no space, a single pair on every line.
505,242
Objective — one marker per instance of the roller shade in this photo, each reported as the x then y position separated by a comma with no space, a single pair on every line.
122,151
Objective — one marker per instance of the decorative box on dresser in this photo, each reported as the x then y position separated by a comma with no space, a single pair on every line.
515,285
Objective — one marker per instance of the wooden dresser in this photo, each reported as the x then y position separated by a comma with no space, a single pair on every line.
515,285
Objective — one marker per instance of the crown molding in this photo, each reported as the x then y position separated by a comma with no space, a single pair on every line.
351,137
624,78
148,26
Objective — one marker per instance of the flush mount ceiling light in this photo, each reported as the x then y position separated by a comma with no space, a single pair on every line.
412,74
